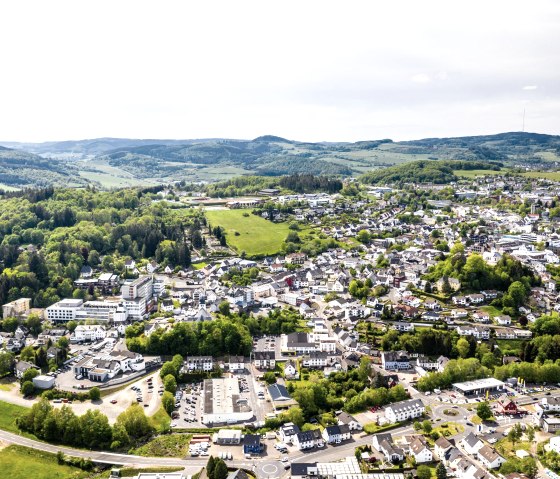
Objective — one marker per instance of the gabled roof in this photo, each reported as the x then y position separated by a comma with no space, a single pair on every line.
278,392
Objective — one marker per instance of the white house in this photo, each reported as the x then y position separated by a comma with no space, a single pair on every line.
336,434
89,333
419,449
308,439
346,419
404,410
395,360
471,444
489,457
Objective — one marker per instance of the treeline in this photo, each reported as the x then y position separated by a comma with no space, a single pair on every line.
304,183
425,171
456,370
90,430
548,372
296,183
232,334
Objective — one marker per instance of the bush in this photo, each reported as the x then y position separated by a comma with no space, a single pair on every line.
95,394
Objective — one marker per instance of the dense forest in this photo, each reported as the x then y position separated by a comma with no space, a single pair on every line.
46,236
425,171
298,183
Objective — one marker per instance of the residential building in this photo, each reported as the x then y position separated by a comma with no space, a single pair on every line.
404,410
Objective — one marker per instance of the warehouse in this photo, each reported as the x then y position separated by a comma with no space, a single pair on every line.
223,403
479,387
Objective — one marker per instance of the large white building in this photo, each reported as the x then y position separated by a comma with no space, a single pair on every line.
404,410
105,311
136,295
64,310
222,402
78,310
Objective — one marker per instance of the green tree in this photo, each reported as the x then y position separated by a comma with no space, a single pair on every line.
427,426
120,437
224,308
168,368
423,472
364,236
135,422
269,377
168,402
210,465
27,388
483,411
463,347
27,354
6,362
220,470
71,325
441,472
170,383
95,393
29,375
34,324
515,434
10,324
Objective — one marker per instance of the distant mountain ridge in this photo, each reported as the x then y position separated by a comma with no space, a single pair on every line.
111,162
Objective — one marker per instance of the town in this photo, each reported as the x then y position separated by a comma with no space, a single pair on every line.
377,332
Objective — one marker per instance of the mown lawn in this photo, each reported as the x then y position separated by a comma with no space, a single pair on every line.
25,463
256,236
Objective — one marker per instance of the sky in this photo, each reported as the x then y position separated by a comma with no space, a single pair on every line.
304,70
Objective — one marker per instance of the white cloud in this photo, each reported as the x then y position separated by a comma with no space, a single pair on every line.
530,87
421,78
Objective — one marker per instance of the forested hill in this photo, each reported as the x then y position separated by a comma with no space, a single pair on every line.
437,172
113,162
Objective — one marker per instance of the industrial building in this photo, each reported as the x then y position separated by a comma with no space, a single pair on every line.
223,403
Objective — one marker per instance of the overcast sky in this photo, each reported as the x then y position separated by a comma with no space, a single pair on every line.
305,70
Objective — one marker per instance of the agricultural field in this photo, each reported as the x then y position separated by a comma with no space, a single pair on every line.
545,175
249,233
24,463
475,173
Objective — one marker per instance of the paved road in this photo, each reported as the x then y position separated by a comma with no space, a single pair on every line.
264,468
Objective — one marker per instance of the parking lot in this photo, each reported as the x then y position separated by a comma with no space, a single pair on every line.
188,406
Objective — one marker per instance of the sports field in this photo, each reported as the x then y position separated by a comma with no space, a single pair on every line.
255,235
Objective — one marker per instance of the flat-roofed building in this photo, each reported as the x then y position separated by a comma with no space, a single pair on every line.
479,387
223,403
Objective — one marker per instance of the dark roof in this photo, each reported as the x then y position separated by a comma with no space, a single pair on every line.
252,439
278,392
301,468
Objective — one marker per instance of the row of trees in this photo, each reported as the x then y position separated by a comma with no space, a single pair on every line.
91,430
456,370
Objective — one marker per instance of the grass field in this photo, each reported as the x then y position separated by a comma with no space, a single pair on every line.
161,420
167,445
491,310
473,173
510,344
548,175
24,463
8,414
257,236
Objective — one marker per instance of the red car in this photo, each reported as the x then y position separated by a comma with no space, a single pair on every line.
114,401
